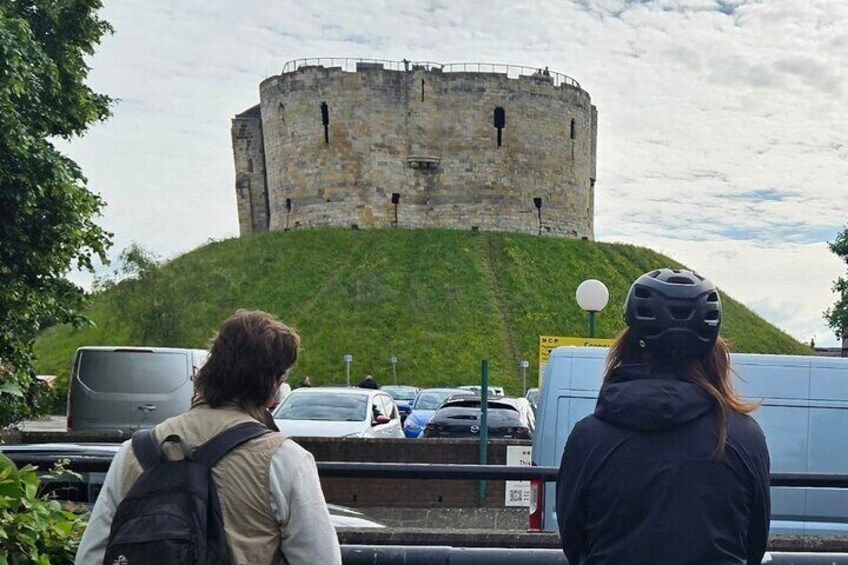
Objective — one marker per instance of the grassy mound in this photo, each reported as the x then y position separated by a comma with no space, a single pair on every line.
440,300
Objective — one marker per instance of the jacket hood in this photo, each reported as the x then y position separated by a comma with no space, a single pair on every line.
637,399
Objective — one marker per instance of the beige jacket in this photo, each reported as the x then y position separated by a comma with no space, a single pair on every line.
271,502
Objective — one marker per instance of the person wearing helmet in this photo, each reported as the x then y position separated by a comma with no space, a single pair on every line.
669,469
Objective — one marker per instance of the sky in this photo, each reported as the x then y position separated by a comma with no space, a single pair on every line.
722,137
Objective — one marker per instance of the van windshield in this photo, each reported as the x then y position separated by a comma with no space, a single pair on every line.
132,371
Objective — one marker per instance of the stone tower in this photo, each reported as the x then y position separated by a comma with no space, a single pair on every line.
352,143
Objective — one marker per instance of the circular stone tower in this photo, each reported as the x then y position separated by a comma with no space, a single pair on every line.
353,143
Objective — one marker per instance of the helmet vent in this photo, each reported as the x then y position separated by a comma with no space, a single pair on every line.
712,315
680,280
681,313
641,292
712,297
654,274
646,313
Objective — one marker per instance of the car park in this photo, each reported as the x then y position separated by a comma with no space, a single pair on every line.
403,396
82,488
803,414
338,412
129,388
507,418
424,406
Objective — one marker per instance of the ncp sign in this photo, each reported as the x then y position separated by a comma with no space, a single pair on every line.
548,343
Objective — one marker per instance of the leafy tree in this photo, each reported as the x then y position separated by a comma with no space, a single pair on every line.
837,315
46,213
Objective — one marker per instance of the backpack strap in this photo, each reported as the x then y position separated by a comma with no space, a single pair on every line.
145,447
210,452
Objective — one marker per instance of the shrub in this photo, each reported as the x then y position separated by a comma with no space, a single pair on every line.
34,528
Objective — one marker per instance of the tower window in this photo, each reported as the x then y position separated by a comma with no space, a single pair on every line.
573,129
500,123
250,165
422,90
325,120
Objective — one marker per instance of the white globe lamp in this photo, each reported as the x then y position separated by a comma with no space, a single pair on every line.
592,296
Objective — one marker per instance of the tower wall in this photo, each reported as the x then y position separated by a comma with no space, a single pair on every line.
429,138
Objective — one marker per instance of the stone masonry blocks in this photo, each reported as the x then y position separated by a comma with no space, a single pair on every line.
428,137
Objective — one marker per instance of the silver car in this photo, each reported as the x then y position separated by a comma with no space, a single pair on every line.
129,388
338,412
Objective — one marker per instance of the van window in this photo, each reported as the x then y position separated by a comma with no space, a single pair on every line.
132,371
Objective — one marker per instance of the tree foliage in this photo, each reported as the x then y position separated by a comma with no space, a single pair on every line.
47,215
34,528
145,289
837,315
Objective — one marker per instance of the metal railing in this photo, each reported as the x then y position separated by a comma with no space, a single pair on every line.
390,554
347,64
352,470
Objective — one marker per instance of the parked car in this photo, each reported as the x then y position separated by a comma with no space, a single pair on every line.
533,397
403,396
424,406
129,388
803,414
475,389
507,418
82,488
338,412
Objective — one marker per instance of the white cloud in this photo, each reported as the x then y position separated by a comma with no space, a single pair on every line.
722,129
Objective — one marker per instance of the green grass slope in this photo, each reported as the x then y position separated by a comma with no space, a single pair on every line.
440,300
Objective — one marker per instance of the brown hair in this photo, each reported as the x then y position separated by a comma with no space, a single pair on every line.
248,358
711,372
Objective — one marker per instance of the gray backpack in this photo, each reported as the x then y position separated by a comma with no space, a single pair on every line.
171,515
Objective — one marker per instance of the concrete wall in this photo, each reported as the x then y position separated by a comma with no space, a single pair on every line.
428,137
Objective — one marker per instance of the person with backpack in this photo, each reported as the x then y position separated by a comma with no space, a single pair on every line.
670,469
219,483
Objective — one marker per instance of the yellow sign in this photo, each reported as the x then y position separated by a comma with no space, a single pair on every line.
547,343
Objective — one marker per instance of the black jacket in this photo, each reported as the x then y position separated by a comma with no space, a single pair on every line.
638,484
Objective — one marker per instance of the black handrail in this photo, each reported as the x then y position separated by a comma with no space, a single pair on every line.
437,471
388,554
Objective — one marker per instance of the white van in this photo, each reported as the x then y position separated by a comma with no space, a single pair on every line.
129,388
804,415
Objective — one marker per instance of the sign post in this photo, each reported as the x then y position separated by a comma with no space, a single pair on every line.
524,364
393,361
348,359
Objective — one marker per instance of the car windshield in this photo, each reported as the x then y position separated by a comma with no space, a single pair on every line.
329,406
401,393
430,400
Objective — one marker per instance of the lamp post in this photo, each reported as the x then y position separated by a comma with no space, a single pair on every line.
393,361
592,296
348,359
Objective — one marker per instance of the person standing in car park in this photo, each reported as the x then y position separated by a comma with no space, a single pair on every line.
270,496
368,382
669,469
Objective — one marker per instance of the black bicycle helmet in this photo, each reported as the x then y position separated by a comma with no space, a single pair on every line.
674,313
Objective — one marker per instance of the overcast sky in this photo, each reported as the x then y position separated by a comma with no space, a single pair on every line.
722,140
